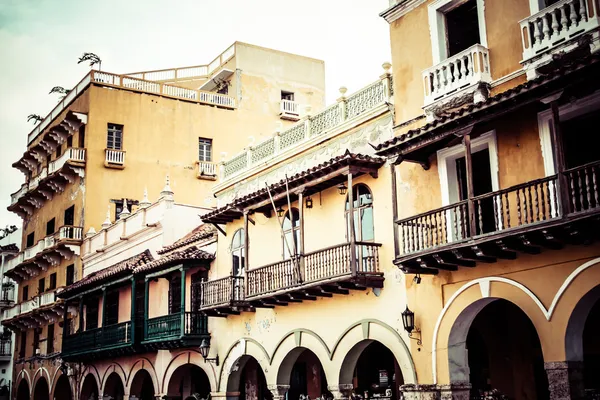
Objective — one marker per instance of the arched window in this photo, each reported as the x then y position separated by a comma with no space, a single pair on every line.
291,232
363,214
238,253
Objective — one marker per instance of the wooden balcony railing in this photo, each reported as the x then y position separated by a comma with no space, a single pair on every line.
7,295
175,325
221,291
318,266
505,210
104,338
5,347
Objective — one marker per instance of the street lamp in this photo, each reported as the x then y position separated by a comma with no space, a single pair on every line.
309,202
280,212
205,349
408,320
342,188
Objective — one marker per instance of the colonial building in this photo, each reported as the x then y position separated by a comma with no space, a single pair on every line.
8,250
112,138
496,173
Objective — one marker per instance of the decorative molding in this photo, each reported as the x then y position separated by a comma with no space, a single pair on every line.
401,8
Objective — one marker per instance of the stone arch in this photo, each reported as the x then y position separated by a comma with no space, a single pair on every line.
350,345
90,385
23,392
41,372
114,386
61,388
23,375
188,357
113,368
142,365
243,347
41,389
576,325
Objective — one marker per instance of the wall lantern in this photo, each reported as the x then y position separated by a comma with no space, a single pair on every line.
408,320
308,202
342,188
280,212
205,349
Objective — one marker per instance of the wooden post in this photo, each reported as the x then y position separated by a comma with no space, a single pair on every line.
80,314
244,261
301,241
65,316
559,160
470,195
352,237
183,330
146,307
132,324
395,211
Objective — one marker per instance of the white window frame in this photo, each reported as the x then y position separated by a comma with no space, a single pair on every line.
536,6
446,159
207,148
437,26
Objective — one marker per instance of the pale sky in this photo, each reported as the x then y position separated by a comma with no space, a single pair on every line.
41,41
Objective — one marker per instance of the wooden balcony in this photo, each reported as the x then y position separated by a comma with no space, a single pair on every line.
175,331
5,349
114,159
544,213
333,270
107,341
207,170
289,110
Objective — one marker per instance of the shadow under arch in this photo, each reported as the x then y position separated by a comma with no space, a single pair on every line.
23,390
246,374
114,386
62,388
142,385
41,390
89,387
142,364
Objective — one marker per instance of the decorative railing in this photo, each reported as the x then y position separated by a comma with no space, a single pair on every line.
221,291
463,70
557,24
7,295
5,347
96,339
114,157
71,154
70,232
345,259
170,326
198,71
310,127
207,169
289,107
529,203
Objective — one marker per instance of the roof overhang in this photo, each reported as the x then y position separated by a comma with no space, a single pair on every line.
212,82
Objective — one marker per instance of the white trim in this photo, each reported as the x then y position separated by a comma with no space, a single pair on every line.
508,77
536,6
437,26
486,281
400,9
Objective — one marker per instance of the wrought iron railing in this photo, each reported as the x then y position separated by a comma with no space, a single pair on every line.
96,339
529,203
170,326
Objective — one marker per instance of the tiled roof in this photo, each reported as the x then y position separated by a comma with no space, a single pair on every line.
295,181
192,253
200,232
9,248
517,95
120,269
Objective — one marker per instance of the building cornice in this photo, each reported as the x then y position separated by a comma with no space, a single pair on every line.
400,9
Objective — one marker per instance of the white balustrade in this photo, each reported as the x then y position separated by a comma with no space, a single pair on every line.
71,154
289,107
461,71
116,157
47,298
70,232
216,99
11,312
16,196
555,25
207,168
30,305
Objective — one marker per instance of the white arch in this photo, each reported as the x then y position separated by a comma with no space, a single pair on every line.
485,289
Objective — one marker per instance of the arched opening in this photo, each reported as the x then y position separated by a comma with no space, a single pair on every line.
302,370
62,390
247,378
41,391
188,381
114,387
581,342
23,391
494,346
141,386
372,370
89,389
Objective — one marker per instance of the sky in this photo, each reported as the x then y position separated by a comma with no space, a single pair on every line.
41,41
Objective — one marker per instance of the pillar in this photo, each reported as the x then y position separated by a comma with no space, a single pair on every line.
278,391
341,392
565,380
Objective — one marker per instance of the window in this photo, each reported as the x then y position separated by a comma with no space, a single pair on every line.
204,149
58,151
70,216
455,25
91,314
52,284
22,344
238,253
291,233
81,137
363,214
114,138
119,206
50,339
175,293
25,293
41,286
70,141
287,95
70,274
50,227
30,239
111,308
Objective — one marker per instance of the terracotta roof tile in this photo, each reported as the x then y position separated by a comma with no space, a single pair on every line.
9,248
200,232
192,253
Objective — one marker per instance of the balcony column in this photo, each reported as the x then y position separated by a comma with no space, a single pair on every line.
182,310
301,241
244,261
352,236
65,314
132,318
80,314
559,157
469,168
395,210
146,306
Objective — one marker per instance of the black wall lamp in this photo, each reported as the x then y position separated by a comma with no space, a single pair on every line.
342,188
280,212
308,202
408,320
205,349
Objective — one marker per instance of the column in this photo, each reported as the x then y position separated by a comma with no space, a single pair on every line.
183,327
565,380
352,233
278,391
470,191
341,391
301,241
559,160
132,323
146,306
80,313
